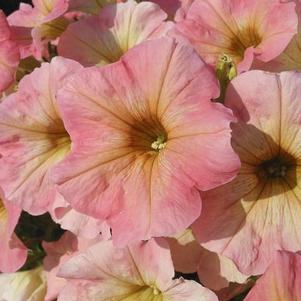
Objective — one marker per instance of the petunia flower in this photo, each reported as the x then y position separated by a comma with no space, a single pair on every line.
281,281
142,271
241,29
33,137
12,252
37,24
23,286
145,137
103,39
9,54
259,212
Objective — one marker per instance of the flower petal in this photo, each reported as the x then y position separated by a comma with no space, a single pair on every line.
10,246
33,137
9,54
115,113
142,271
281,281
257,213
218,27
105,38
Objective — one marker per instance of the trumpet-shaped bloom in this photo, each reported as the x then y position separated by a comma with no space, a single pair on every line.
259,212
33,137
281,281
45,21
9,54
43,11
23,286
10,246
145,137
240,29
105,38
142,271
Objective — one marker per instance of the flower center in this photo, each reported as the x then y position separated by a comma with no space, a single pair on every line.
156,291
160,143
148,135
275,168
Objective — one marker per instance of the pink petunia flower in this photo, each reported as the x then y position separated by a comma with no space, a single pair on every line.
12,252
142,271
33,137
9,54
34,26
259,212
145,138
103,39
281,281
241,29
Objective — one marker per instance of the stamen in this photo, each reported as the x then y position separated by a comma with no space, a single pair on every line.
160,143
156,292
275,168
277,171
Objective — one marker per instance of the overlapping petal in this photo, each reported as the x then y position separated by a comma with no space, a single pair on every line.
78,223
281,281
118,116
33,137
290,58
258,213
90,6
240,29
41,12
9,54
142,271
23,286
105,38
176,9
10,246
214,271
36,25
58,253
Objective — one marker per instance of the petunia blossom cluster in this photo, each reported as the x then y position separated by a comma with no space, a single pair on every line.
150,150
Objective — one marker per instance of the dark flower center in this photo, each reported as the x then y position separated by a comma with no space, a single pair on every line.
148,135
277,167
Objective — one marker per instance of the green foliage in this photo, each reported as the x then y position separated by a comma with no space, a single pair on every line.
32,231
